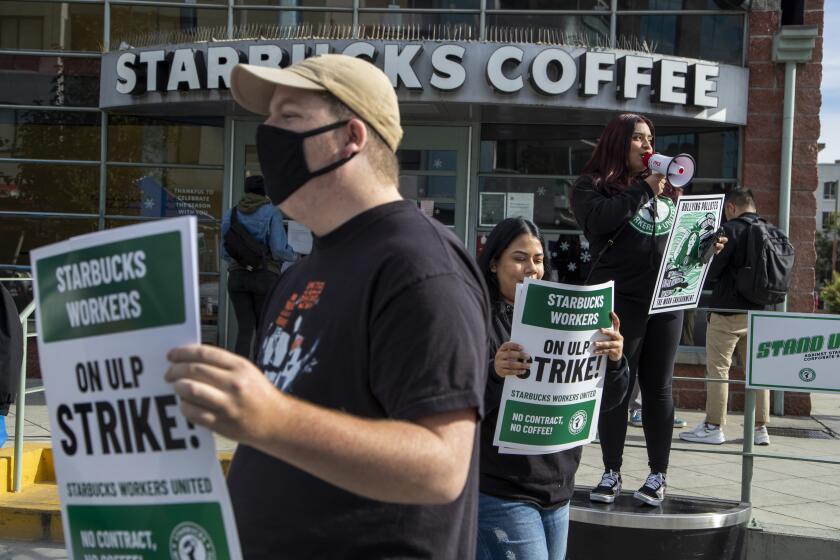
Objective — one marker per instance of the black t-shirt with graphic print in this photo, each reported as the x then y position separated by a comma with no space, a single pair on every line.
387,318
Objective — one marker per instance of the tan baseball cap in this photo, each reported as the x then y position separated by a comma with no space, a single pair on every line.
357,83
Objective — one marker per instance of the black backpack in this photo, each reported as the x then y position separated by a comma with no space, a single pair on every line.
767,273
242,247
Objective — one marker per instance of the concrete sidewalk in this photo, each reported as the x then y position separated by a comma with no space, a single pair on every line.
787,495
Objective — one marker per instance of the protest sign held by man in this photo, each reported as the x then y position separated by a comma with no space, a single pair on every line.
358,421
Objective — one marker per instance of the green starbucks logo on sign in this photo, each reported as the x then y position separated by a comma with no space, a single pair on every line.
807,375
644,221
577,422
189,541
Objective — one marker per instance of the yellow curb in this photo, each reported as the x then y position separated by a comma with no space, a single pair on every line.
33,514
37,465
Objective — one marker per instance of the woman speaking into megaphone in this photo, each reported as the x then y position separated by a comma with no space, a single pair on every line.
626,212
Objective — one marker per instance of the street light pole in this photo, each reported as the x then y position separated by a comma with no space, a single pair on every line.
835,224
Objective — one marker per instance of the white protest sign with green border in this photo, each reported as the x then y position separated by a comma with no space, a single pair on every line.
136,480
682,271
555,406
793,351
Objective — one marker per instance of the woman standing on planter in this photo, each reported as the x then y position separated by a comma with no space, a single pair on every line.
626,214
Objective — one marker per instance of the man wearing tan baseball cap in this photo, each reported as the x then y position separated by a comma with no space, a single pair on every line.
358,421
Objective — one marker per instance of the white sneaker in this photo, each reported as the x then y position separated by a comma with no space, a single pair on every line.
705,433
761,436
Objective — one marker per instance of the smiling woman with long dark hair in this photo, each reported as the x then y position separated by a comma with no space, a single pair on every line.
626,214
523,508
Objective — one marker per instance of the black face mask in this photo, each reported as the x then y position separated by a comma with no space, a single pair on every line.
282,161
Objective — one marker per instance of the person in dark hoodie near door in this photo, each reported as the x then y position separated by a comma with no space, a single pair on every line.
626,214
248,288
11,357
523,505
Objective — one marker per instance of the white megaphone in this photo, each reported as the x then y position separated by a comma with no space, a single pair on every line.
679,170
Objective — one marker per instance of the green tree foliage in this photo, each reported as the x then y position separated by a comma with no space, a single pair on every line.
831,294
824,242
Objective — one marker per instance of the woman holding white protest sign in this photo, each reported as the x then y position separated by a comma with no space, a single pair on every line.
626,213
523,509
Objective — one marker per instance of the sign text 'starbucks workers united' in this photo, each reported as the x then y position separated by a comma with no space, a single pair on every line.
554,406
136,480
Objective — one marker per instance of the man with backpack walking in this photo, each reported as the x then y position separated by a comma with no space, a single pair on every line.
255,244
752,272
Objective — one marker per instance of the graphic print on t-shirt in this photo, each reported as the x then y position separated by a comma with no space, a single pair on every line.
643,221
285,352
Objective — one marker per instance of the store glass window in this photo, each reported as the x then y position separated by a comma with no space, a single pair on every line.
594,28
424,22
422,4
545,200
682,5
208,275
43,187
715,151
161,192
429,177
536,150
51,26
19,236
548,5
709,37
37,134
209,240
189,141
291,17
220,2
569,257
49,80
128,22
700,186
294,3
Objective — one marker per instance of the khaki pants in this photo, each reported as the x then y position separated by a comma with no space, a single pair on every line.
725,334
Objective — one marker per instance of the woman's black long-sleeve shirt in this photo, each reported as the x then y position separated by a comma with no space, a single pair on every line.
639,228
545,480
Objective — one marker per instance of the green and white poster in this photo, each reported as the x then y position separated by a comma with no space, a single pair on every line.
555,405
136,480
682,271
793,351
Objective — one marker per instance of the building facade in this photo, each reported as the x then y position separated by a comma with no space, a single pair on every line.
829,178
117,112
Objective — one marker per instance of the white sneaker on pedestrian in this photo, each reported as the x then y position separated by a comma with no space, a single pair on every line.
761,436
705,433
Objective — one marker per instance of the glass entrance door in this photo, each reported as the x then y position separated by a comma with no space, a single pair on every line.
434,169
434,172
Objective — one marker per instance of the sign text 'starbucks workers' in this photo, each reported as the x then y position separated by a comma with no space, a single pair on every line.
112,288
136,480
554,406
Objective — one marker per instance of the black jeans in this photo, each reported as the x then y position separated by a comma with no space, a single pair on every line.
650,344
248,291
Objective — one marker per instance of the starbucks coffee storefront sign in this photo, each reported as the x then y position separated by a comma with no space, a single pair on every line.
448,72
